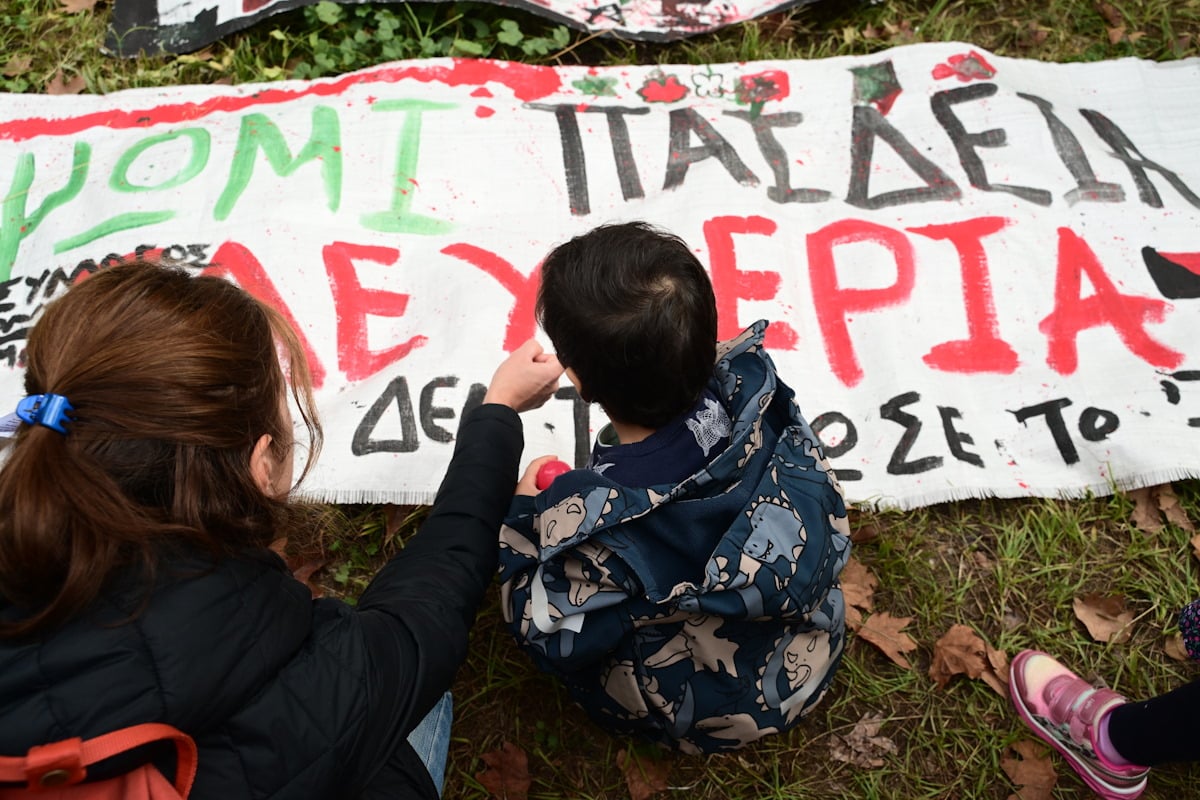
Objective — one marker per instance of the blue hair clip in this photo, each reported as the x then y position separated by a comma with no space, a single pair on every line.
48,410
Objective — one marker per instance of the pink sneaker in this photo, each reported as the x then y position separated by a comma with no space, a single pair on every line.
1063,709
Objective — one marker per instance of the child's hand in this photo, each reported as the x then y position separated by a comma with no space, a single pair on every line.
527,486
526,379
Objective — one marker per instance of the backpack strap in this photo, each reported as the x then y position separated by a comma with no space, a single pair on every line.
66,762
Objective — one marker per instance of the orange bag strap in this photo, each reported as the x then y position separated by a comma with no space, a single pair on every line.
66,762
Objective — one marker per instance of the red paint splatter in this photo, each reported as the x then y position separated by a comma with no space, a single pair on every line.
527,82
483,112
482,91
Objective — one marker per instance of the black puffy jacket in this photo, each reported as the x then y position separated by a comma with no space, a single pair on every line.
286,697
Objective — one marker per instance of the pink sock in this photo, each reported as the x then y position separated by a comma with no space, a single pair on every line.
1104,746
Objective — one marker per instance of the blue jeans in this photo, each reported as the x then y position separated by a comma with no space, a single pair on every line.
431,739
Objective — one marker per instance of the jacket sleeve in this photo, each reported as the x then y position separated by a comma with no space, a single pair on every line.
566,603
417,613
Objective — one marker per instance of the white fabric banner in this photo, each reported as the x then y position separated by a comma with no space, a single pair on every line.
982,273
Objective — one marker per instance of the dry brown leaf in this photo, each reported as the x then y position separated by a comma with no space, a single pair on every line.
858,588
1110,13
854,618
644,776
1145,516
17,65
1168,501
1115,35
1152,503
76,6
1031,770
304,573
507,773
858,585
1105,617
997,676
59,85
1196,545
302,565
1175,648
864,530
863,746
982,561
1037,34
886,632
961,651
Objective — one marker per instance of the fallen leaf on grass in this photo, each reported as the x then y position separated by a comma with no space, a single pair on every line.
864,528
1036,33
863,746
858,588
17,65
1168,501
644,776
303,566
1031,770
1110,13
507,773
1106,618
1175,648
399,520
1196,545
76,6
59,85
304,573
886,632
1152,503
962,651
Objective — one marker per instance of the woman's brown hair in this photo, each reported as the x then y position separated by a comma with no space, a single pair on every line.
173,380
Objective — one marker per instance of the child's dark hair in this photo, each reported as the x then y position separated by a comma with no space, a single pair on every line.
630,309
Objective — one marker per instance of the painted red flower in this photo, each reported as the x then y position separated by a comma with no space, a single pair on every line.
966,67
662,89
761,87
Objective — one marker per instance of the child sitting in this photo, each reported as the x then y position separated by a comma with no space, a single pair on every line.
685,585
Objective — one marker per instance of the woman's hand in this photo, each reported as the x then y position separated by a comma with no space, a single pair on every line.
526,379
528,484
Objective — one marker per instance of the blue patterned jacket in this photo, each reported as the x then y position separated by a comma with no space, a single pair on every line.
704,614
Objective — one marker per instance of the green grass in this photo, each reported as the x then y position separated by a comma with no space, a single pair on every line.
1010,570
39,39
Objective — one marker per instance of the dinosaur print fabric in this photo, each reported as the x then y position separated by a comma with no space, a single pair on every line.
703,614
